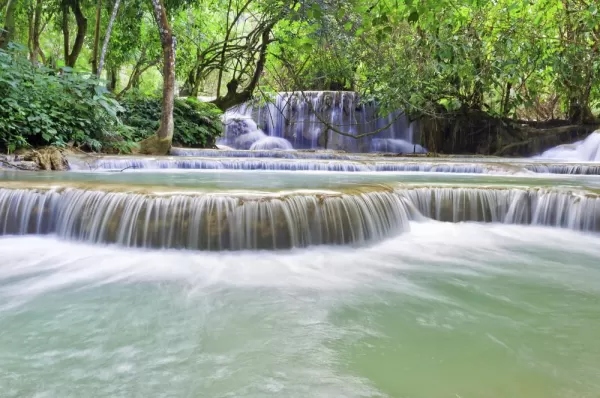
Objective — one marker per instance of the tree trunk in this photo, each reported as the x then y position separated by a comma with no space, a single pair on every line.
230,27
107,36
160,144
96,37
113,78
194,81
65,29
233,97
506,100
220,77
141,66
71,58
197,83
8,32
36,51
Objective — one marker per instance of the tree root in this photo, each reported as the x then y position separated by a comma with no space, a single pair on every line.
154,145
49,158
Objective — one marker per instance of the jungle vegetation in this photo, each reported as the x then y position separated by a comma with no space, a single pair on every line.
93,73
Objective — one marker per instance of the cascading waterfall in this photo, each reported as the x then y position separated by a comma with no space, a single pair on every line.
566,209
587,150
204,222
323,162
236,153
240,221
291,116
564,168
124,163
243,133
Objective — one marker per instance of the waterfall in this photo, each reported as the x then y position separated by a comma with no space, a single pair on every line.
587,150
317,161
235,153
564,168
243,221
243,133
557,208
292,117
204,222
395,146
124,163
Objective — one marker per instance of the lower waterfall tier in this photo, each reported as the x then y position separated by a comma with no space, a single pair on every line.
251,221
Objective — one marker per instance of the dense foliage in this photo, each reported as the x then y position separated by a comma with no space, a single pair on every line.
515,58
41,106
519,59
197,124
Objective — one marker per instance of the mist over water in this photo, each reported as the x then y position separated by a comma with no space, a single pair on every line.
464,309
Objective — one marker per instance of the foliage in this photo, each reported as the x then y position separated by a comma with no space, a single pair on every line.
505,57
42,106
508,58
197,124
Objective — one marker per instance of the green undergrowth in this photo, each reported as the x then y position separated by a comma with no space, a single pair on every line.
41,106
197,124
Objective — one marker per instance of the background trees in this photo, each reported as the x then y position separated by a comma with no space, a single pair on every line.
511,59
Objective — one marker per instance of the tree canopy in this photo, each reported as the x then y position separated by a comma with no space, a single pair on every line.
509,58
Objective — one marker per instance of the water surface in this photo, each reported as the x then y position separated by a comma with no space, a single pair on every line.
445,310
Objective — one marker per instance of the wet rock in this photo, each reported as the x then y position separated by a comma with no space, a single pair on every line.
49,158
13,162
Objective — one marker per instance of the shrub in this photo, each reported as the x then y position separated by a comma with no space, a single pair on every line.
197,124
41,106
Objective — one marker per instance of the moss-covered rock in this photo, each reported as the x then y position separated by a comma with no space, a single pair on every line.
49,158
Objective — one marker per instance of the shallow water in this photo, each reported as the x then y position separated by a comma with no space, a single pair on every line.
226,180
445,310
403,306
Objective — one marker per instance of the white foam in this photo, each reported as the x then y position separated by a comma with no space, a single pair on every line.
587,150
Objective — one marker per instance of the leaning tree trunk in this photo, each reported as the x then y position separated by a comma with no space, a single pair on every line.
160,144
107,37
233,97
7,33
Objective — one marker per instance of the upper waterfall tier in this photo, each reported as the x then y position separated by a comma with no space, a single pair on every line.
324,161
304,120
278,220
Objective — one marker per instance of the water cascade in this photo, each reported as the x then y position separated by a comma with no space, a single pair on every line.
587,150
294,284
243,133
291,117
564,168
237,153
307,161
363,165
205,222
565,209
255,220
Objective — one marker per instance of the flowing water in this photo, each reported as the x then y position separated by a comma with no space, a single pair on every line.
585,150
301,274
468,310
303,120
